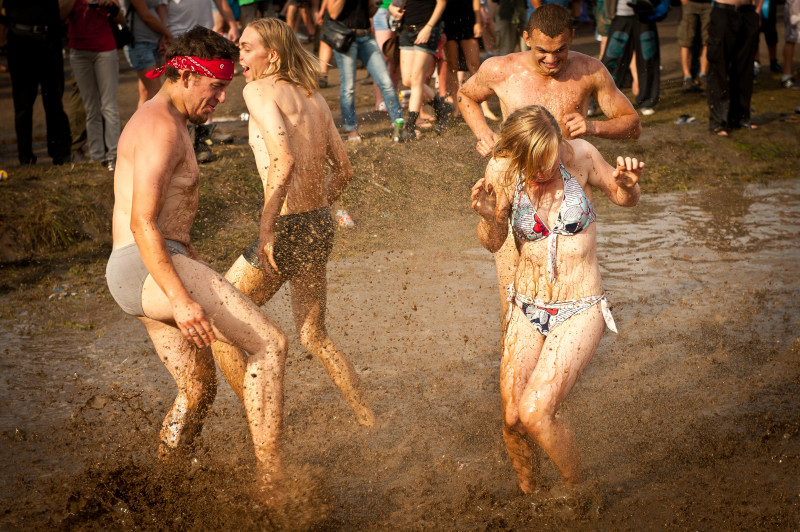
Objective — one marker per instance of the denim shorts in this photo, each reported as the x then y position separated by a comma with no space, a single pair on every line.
142,55
408,36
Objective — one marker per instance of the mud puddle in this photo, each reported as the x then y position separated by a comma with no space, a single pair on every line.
687,418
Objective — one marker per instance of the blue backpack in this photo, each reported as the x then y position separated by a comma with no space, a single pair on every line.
660,10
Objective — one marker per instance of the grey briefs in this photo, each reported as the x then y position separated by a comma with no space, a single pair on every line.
126,272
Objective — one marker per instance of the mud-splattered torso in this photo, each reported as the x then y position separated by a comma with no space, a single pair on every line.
517,84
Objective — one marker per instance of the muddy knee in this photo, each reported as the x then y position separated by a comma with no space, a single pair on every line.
312,337
536,416
511,417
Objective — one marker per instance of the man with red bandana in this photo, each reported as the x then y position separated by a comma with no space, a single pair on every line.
156,275
552,76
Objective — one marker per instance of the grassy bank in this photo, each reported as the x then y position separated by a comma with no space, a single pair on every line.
56,218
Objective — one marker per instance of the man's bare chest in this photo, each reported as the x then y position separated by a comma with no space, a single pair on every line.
560,99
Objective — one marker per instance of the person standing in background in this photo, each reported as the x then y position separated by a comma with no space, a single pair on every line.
183,15
732,42
34,31
791,19
148,24
695,17
633,35
95,64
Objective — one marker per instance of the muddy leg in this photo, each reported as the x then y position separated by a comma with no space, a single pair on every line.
524,458
237,320
521,348
564,356
194,374
309,298
253,283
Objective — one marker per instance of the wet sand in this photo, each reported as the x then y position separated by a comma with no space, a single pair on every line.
689,418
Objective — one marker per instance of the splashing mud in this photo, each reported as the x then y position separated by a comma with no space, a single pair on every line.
689,415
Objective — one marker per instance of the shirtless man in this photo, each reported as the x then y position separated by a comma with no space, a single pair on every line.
155,274
293,137
549,75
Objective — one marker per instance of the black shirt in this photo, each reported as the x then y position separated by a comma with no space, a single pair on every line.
39,13
418,12
355,14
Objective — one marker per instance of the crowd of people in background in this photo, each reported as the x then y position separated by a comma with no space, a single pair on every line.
417,52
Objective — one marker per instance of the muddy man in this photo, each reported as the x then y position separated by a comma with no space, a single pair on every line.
294,141
552,76
155,274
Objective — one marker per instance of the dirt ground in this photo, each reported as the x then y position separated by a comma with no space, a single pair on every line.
689,418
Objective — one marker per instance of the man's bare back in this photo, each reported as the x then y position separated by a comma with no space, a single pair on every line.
305,124
295,144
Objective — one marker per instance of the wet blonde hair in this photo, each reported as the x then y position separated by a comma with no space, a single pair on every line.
529,138
295,64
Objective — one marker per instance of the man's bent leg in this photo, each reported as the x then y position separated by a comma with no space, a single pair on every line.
194,374
309,298
237,320
252,282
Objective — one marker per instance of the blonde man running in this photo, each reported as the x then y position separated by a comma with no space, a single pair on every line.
293,137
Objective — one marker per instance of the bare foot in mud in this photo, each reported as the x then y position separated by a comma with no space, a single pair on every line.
364,415
572,501
270,488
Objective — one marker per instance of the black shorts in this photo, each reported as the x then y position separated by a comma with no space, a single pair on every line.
302,241
408,34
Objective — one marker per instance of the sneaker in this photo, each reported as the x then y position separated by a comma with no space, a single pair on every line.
688,84
756,68
202,134
203,153
222,138
109,165
382,107
647,111
789,83
594,109
702,81
775,67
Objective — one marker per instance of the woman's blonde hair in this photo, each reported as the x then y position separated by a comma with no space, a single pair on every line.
529,138
295,64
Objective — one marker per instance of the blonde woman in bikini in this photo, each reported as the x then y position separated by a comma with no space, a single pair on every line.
542,184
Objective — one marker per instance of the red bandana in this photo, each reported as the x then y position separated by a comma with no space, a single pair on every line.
213,68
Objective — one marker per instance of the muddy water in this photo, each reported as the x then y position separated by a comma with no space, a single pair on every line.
688,418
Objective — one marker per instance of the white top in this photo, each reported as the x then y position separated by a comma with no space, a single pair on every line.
183,15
